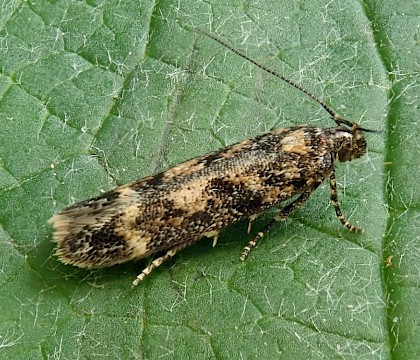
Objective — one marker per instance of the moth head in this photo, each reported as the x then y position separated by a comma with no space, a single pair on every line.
354,146
351,144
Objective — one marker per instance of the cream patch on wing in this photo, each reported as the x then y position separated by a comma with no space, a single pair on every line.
295,143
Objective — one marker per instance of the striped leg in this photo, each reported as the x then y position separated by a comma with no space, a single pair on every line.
336,205
281,215
159,261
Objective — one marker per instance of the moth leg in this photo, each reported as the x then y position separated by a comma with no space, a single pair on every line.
159,261
249,227
214,234
281,215
336,205
251,219
215,238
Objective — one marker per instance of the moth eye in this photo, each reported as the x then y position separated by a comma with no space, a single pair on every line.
345,155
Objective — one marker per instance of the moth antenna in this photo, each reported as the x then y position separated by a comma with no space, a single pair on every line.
337,118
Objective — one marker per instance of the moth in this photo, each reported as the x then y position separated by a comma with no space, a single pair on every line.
169,211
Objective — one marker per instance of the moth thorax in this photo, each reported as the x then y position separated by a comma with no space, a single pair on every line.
353,144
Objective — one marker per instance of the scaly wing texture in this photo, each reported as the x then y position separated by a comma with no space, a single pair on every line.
191,200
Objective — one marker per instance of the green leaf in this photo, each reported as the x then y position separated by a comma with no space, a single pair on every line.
99,93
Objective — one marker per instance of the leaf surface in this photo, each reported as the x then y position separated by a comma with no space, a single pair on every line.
96,94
